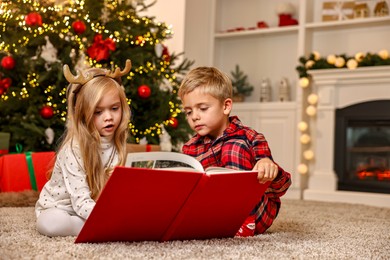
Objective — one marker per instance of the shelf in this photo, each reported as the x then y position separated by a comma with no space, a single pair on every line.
275,105
256,32
352,23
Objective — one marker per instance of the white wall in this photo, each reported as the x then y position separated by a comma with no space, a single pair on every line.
171,12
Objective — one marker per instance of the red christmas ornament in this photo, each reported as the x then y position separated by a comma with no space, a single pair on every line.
173,122
144,91
165,54
79,27
33,19
2,90
46,112
8,63
6,83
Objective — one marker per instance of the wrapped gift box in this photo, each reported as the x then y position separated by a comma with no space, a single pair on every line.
4,142
25,171
337,10
15,174
136,148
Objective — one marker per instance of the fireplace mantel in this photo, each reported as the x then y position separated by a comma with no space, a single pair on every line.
339,88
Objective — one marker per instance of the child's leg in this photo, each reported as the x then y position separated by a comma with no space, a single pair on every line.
247,229
261,217
266,212
55,222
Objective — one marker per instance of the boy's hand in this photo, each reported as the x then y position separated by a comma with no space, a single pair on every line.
267,170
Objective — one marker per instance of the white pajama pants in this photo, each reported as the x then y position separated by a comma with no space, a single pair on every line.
55,222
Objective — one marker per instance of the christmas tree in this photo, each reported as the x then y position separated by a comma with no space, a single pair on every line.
38,37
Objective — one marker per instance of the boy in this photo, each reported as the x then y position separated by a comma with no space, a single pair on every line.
222,140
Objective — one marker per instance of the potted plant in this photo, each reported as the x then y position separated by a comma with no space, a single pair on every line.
241,86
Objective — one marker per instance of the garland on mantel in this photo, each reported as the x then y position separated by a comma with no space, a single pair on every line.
315,61
310,99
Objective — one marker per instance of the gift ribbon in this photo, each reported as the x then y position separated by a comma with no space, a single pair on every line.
148,147
18,148
30,167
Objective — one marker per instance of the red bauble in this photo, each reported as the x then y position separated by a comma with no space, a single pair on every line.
2,90
165,54
46,112
6,83
33,19
144,91
173,122
79,27
8,63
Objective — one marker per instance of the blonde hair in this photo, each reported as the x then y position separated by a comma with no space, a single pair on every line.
80,127
209,80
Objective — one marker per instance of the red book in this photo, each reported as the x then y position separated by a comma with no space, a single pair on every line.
167,202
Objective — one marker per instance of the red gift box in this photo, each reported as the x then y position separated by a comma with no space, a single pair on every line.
25,171
136,148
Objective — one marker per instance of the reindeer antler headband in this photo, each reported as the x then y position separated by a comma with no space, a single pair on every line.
81,79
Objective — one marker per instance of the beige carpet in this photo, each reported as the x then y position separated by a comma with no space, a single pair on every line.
303,230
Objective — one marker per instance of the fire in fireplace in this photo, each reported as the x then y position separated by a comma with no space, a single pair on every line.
362,147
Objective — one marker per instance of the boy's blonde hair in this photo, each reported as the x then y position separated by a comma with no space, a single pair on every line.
210,80
80,127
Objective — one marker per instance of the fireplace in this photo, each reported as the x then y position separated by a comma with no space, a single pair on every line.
347,167
363,133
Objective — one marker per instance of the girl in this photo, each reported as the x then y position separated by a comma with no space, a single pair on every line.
94,143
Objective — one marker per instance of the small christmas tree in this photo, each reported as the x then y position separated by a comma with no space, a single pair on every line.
241,86
38,37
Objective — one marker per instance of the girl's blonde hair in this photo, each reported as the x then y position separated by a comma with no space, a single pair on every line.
80,127
210,80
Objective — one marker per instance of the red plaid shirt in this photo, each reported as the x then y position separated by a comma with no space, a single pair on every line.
240,147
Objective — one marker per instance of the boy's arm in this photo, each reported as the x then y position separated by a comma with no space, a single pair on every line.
268,208
270,171
267,170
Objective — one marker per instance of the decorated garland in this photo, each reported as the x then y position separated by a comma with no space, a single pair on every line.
314,62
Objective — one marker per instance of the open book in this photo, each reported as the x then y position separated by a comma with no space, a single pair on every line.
170,161
161,196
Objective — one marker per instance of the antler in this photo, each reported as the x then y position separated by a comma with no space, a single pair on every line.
78,79
82,79
118,73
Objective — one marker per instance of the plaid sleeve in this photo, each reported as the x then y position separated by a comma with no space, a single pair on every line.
280,184
268,208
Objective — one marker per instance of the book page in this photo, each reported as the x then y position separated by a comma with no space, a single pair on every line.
163,160
214,170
